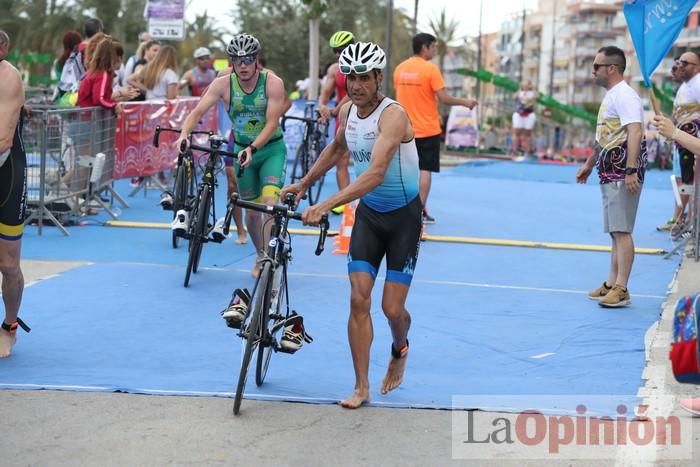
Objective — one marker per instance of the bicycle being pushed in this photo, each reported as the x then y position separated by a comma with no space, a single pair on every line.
198,224
261,315
183,192
314,139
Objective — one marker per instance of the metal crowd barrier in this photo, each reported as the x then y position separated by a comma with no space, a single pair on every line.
70,163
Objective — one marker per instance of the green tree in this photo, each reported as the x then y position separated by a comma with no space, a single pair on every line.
444,31
201,33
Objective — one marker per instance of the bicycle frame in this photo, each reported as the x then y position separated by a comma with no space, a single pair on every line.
263,320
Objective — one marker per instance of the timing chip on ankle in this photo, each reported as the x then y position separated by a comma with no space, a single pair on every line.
12,328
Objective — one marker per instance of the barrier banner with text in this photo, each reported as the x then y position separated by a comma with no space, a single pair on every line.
136,156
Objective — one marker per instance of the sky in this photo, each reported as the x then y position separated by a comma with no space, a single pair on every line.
466,12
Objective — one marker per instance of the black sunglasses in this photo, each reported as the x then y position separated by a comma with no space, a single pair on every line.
247,60
596,66
685,63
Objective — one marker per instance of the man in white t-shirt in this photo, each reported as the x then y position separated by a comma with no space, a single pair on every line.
621,162
686,114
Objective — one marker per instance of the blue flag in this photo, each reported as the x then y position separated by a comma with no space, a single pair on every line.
654,26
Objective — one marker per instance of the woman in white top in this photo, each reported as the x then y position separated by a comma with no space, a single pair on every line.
158,78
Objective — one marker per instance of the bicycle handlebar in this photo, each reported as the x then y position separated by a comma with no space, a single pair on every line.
159,129
284,211
218,151
301,119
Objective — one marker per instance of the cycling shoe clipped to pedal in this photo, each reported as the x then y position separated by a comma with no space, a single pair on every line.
235,313
217,233
294,334
166,201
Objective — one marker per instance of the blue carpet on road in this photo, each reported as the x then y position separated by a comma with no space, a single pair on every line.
486,319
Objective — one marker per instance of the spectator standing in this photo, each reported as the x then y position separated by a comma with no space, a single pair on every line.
621,163
158,79
419,86
201,76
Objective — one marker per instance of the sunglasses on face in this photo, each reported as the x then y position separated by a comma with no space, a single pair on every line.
206,57
685,63
596,66
247,60
347,69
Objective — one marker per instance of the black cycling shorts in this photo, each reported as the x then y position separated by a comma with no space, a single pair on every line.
394,234
429,153
13,191
686,160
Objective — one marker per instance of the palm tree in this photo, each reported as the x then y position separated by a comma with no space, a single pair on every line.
415,17
444,31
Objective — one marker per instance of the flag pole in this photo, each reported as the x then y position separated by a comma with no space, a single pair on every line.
654,101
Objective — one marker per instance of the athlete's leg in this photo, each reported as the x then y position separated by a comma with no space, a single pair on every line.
232,187
424,182
360,336
12,287
394,306
625,257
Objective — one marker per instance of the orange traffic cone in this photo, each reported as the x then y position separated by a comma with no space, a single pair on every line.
342,241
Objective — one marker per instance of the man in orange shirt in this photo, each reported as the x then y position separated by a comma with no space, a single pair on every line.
419,85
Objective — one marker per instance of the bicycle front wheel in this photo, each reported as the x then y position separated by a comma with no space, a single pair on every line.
272,324
255,333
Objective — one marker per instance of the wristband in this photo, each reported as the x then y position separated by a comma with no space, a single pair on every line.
253,149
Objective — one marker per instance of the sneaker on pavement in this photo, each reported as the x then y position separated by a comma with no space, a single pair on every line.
181,221
617,297
294,334
235,312
600,292
217,233
427,218
166,200
666,227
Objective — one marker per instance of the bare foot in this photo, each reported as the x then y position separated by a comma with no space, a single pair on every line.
255,272
242,239
394,374
7,340
356,400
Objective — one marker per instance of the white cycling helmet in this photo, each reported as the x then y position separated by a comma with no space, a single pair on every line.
243,44
361,57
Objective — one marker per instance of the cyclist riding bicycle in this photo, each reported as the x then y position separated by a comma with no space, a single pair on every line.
335,83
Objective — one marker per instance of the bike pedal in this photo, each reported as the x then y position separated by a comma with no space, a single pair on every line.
287,351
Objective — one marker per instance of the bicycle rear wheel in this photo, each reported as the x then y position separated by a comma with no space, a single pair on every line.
312,155
195,250
298,167
278,300
180,192
255,330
